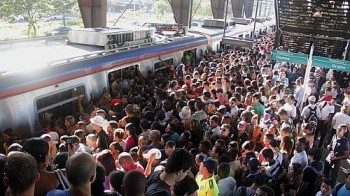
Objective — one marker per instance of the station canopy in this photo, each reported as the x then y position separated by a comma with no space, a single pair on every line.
325,23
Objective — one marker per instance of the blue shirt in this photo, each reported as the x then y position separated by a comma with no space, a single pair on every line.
57,192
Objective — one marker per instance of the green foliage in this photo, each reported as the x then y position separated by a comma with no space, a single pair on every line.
162,8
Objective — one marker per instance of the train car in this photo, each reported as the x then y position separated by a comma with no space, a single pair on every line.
215,34
33,84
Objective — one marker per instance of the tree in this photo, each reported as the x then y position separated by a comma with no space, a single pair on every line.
162,8
63,7
30,9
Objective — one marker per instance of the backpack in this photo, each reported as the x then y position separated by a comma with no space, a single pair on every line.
312,118
337,188
179,70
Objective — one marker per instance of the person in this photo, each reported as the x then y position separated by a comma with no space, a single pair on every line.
102,138
206,181
81,172
311,172
226,184
342,189
253,170
176,169
323,124
273,166
105,159
134,183
116,181
131,140
127,163
260,180
265,191
300,155
292,180
39,149
326,188
187,186
21,173
339,150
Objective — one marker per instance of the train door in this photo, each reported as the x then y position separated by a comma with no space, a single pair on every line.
58,105
116,78
190,56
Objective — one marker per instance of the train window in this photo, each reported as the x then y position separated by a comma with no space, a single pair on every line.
117,76
62,103
159,65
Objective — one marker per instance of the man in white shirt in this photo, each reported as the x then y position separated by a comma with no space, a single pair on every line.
339,118
326,109
290,107
308,109
300,155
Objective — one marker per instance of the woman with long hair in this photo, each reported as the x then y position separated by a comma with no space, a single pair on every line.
105,159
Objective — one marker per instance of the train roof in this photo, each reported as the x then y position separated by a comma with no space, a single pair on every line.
42,53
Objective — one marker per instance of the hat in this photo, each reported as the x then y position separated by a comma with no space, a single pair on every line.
153,151
210,164
97,120
254,163
312,98
100,111
15,147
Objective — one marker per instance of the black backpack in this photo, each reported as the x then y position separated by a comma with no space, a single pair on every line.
312,118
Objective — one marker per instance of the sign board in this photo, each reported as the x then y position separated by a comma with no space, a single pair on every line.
328,63
289,57
317,61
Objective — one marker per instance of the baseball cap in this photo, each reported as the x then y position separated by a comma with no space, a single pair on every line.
210,164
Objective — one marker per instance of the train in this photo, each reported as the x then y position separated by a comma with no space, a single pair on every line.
27,95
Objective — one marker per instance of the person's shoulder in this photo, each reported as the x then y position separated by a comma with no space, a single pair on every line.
57,192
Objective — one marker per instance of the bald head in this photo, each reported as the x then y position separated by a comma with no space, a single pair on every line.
81,169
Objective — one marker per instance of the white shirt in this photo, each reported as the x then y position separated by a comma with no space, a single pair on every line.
299,157
291,110
341,118
326,110
298,94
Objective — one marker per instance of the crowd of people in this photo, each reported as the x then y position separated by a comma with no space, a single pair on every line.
228,123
